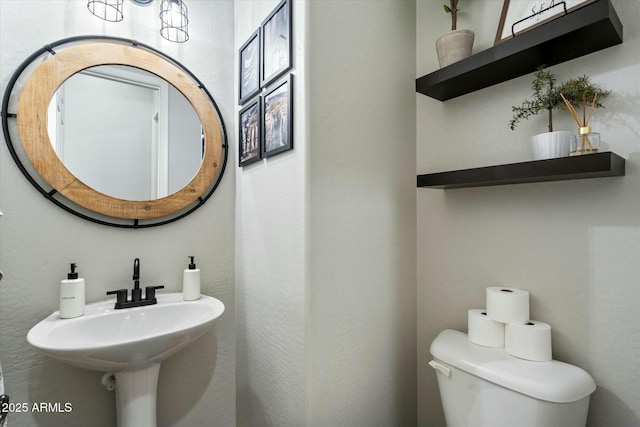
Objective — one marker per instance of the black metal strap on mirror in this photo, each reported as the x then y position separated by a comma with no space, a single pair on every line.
9,115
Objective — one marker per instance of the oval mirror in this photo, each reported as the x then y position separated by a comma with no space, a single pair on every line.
125,132
121,133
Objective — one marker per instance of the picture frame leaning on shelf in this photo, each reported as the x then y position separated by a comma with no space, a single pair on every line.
520,16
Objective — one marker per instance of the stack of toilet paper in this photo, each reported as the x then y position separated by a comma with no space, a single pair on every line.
506,323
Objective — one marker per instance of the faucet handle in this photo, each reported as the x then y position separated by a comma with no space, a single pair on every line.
150,292
121,295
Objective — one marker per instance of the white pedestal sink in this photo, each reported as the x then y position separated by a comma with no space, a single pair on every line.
130,342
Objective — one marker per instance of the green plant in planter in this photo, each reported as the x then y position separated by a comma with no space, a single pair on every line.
546,98
455,45
453,10
580,91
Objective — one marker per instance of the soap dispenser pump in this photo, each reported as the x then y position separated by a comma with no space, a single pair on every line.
72,295
191,281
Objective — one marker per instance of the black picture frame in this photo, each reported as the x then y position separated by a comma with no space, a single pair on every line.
250,133
249,68
277,118
275,43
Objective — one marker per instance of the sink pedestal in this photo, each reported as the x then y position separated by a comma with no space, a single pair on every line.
136,396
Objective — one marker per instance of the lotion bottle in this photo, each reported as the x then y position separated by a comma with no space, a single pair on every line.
191,282
71,295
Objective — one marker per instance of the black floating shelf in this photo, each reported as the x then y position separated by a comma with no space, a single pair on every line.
597,165
588,29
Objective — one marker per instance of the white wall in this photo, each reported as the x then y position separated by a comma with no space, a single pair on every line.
185,141
325,256
575,245
116,162
38,240
271,206
362,234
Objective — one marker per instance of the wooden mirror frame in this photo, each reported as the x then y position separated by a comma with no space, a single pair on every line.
45,80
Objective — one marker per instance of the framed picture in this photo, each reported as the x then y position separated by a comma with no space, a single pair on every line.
277,111
250,134
249,68
276,47
519,16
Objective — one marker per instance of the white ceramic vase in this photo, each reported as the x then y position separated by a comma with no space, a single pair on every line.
550,145
454,46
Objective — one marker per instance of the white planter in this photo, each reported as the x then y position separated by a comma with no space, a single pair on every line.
550,145
454,46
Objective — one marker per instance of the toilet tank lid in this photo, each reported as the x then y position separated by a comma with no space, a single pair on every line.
552,381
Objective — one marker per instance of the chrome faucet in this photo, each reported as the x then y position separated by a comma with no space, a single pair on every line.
136,300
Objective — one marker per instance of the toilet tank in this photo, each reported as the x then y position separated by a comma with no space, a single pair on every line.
486,387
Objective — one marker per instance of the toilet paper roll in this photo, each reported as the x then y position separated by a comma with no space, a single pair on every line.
483,330
530,341
508,305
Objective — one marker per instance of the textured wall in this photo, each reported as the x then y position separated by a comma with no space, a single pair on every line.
325,250
38,240
271,257
362,213
574,245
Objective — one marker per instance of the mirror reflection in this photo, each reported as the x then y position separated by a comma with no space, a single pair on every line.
125,132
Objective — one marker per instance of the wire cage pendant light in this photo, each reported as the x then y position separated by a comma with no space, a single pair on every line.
108,10
174,18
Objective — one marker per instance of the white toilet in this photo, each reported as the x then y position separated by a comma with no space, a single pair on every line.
486,387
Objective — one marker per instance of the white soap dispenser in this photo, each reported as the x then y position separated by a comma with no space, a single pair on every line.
71,295
191,282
